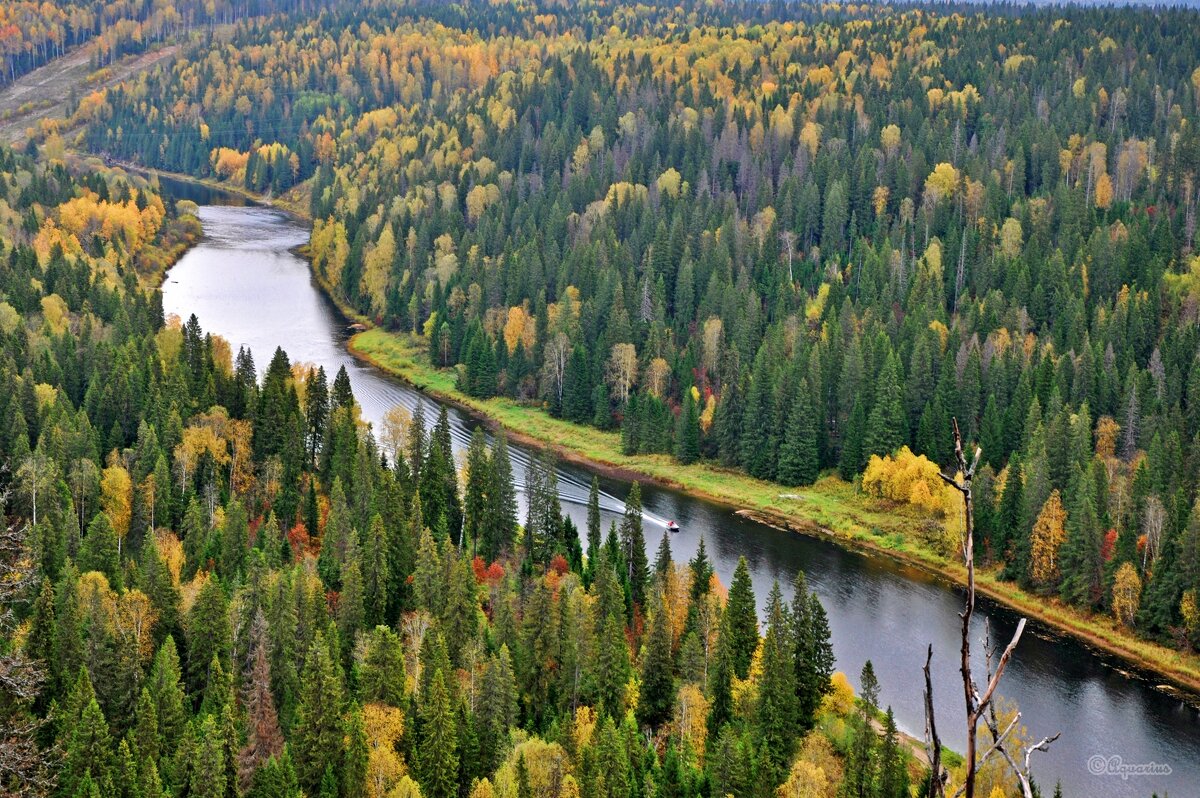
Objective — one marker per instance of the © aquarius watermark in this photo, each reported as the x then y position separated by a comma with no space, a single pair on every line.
1100,765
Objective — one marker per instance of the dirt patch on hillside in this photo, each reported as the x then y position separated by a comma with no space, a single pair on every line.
44,92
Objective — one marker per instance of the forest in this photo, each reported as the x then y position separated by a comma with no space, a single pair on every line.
217,582
789,239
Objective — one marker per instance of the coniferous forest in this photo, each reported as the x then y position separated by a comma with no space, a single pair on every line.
793,240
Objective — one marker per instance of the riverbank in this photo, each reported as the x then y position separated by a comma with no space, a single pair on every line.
831,509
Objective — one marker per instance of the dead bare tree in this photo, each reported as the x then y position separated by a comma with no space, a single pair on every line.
979,706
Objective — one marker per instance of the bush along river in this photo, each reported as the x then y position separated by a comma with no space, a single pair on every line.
244,282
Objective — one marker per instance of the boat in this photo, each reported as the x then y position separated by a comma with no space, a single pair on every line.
672,526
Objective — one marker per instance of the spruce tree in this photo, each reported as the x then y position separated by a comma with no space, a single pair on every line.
720,680
886,429
381,676
798,457
777,714
852,457
633,542
893,770
355,762
687,430
317,736
593,528
209,635
657,695
813,651
743,619
478,481
437,750
100,550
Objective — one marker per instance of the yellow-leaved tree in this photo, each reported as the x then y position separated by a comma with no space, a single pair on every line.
1049,532
1126,594
116,497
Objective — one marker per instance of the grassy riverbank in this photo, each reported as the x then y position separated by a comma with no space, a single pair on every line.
832,508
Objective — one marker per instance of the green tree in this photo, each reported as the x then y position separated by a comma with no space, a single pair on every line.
886,429
209,635
799,463
633,542
743,619
687,430
100,550
657,695
437,750
317,736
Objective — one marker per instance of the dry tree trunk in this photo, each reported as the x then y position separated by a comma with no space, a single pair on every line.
978,707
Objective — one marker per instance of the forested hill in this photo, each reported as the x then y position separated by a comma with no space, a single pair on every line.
33,33
781,237
216,583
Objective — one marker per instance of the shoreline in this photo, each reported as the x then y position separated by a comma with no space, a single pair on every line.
1151,662
1166,670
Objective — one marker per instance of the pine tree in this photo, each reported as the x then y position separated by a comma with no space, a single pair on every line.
437,750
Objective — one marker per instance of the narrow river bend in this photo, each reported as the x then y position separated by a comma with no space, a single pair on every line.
244,283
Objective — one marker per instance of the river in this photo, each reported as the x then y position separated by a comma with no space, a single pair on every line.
243,282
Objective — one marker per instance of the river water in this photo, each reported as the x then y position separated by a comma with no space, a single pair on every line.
244,283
